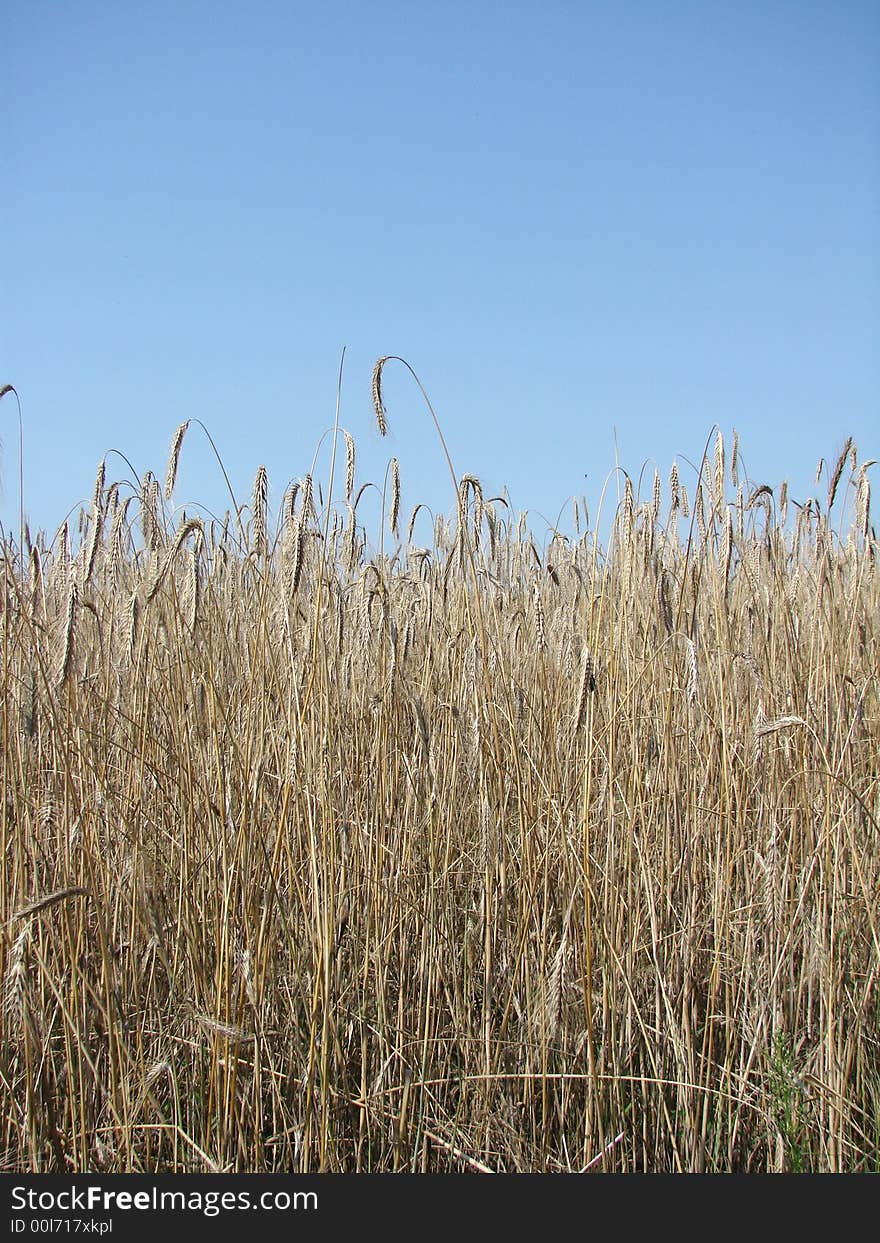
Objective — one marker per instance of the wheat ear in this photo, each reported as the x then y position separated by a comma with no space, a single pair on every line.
378,407
173,459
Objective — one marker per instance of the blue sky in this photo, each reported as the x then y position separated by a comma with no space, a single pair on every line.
575,221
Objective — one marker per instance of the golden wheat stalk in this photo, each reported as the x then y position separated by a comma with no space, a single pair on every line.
674,489
183,532
49,900
394,515
719,470
69,629
863,500
258,507
376,391
174,459
734,459
349,463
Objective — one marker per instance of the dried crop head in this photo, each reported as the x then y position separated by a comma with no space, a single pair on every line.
173,460
378,407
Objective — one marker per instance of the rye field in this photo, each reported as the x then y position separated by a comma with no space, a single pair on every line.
323,850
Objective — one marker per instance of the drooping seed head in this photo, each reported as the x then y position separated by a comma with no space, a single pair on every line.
395,497
378,407
173,459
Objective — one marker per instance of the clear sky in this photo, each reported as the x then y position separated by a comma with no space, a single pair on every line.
641,217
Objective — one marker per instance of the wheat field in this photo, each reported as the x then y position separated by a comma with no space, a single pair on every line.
322,851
